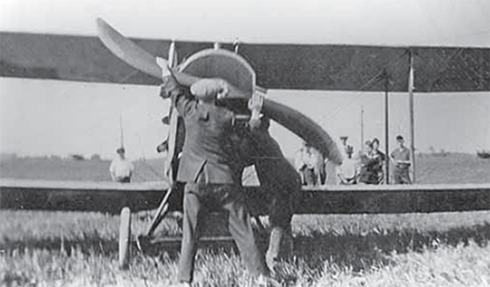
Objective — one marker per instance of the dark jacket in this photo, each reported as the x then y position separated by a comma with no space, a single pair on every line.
256,146
368,174
207,128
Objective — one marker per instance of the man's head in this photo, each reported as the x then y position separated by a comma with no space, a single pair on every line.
375,143
400,141
369,146
306,146
121,151
349,151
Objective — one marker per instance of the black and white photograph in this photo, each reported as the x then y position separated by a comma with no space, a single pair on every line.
248,143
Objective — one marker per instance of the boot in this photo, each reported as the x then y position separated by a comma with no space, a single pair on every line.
287,245
272,254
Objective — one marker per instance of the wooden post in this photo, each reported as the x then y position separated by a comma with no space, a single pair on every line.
410,99
121,133
362,128
236,45
387,138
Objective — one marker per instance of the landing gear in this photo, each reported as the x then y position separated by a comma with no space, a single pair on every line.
125,238
142,241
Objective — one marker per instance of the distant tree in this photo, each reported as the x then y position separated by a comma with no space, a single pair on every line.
55,157
77,157
95,157
8,156
432,149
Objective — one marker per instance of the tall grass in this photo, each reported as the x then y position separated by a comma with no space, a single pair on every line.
80,249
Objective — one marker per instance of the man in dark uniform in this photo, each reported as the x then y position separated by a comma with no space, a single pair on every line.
368,173
205,168
277,177
380,158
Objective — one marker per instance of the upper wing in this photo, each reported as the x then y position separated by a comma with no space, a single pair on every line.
278,66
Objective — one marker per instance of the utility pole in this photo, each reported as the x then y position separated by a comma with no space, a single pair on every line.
121,135
362,128
410,102
387,138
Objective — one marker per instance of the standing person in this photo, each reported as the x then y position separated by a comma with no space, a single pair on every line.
277,177
121,168
348,171
207,173
347,148
380,157
309,164
367,173
401,157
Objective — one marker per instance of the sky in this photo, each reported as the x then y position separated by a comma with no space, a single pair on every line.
58,117
377,22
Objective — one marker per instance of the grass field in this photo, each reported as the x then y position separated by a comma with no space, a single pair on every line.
80,248
452,168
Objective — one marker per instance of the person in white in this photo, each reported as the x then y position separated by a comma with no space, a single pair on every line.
349,170
121,168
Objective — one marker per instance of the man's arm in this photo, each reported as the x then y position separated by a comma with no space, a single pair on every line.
401,161
299,162
131,168
171,89
112,170
210,89
183,102
392,158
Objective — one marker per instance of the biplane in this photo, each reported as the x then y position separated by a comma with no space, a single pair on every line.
264,66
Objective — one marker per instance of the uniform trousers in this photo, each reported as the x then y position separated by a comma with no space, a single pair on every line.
401,175
199,200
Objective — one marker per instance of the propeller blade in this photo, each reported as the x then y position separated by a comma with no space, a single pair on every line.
127,50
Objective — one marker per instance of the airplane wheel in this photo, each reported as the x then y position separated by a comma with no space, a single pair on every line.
125,238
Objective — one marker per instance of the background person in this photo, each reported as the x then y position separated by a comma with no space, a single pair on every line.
121,169
367,174
348,171
380,157
347,148
401,157
310,165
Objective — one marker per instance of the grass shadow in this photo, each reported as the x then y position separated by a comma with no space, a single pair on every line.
364,251
360,251
87,243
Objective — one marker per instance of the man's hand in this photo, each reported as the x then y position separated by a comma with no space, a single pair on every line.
169,87
255,106
255,103
169,84
164,66
210,88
